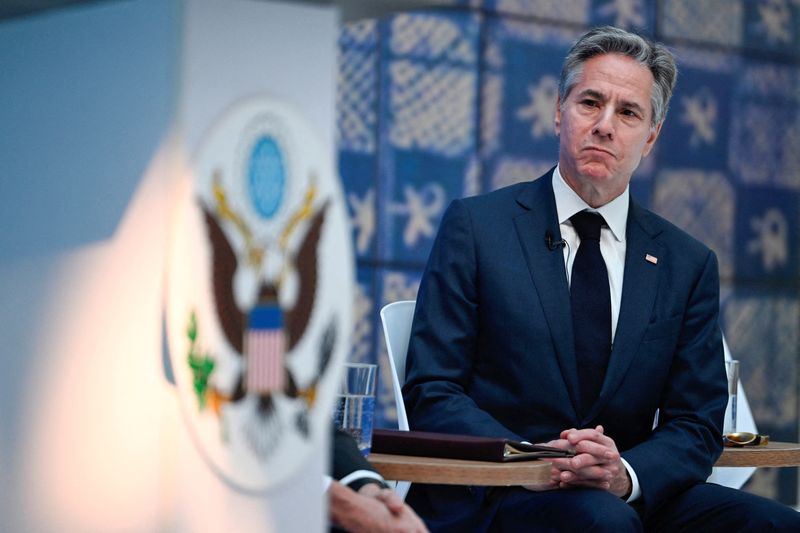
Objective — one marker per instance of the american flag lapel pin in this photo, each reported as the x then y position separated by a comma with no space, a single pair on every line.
651,259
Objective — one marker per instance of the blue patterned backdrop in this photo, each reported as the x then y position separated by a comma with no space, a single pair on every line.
440,104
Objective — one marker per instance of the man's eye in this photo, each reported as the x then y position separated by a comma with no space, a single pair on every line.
631,113
590,103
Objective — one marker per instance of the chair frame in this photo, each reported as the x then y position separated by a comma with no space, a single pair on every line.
396,319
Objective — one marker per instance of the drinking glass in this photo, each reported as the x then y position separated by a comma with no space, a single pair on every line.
355,403
732,369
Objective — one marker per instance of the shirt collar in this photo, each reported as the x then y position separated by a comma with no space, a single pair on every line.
568,203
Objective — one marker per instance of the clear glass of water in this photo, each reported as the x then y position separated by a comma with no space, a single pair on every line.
732,369
354,410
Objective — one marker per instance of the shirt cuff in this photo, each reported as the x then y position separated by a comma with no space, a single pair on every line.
326,482
359,478
636,491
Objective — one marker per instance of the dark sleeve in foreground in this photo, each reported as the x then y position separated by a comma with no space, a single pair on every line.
347,458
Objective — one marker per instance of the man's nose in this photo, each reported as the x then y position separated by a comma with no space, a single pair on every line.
605,125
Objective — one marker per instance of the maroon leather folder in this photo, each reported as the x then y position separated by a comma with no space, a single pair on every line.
426,444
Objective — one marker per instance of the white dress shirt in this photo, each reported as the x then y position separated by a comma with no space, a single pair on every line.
352,476
612,248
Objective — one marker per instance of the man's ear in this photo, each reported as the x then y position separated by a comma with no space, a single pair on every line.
557,120
651,139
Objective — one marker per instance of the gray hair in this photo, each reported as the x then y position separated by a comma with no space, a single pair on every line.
610,40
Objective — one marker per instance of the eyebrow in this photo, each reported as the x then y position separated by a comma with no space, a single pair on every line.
601,97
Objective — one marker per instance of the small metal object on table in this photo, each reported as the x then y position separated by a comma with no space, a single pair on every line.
461,472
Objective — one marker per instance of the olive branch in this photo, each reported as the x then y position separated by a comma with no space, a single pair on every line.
201,364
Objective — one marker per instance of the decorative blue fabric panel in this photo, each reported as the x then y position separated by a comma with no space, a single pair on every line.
696,131
429,92
767,233
628,14
772,25
358,172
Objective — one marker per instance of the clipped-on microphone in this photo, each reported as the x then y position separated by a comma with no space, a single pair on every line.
551,243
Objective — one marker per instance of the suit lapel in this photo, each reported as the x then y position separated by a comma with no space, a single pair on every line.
639,288
548,274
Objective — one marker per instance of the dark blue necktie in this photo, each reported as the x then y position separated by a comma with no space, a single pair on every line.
591,308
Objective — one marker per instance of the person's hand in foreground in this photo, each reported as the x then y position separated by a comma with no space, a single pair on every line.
371,509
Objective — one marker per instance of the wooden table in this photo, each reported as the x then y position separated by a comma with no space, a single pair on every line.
460,472
773,454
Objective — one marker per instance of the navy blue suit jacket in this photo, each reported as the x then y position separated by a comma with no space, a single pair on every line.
492,350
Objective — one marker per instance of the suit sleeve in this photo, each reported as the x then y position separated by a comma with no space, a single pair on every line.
442,347
687,440
349,466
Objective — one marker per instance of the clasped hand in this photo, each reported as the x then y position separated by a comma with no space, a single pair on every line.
597,463
372,509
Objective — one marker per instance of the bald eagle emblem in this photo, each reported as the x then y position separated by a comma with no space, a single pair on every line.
260,283
255,325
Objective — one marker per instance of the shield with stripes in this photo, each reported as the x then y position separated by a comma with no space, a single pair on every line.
264,349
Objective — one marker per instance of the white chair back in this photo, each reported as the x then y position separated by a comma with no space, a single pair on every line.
396,319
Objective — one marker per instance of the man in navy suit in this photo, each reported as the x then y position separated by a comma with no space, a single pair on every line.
501,347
